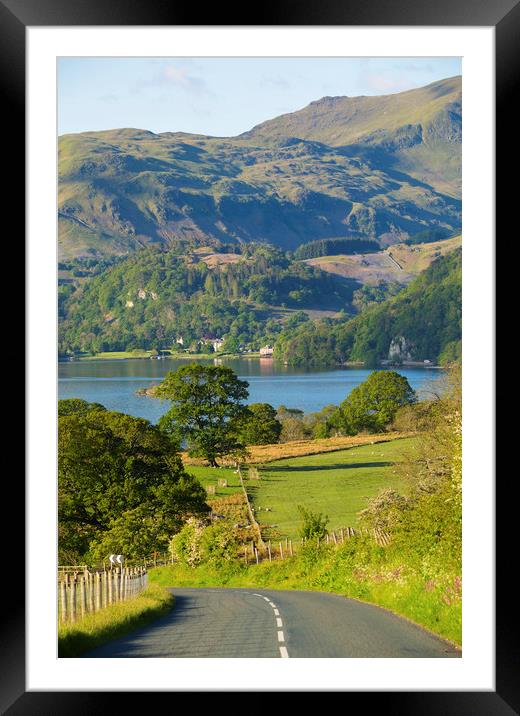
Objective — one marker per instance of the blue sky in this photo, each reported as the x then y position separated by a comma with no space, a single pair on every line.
222,96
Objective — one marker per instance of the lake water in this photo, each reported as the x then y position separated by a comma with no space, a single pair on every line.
113,383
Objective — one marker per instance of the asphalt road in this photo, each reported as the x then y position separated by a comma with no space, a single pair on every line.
245,623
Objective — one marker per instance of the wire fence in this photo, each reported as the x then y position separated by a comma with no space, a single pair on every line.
83,593
272,550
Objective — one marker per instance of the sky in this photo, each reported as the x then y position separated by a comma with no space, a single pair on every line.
222,96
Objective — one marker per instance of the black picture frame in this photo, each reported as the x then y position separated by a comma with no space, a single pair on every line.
504,16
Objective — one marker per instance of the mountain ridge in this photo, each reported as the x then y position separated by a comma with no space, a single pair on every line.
126,188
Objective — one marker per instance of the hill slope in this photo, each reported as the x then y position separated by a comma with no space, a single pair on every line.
350,174
418,131
422,322
153,297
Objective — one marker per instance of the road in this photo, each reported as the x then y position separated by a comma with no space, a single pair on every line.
245,623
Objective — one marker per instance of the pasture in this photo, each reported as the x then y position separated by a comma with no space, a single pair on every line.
337,484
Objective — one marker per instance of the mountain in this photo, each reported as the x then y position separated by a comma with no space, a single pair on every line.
418,131
378,168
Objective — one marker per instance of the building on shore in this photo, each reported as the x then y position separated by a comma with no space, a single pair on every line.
266,351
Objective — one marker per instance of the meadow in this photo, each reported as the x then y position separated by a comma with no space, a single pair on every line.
337,484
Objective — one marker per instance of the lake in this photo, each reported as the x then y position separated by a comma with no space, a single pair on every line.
113,383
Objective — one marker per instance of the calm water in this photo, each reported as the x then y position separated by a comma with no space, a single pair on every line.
114,383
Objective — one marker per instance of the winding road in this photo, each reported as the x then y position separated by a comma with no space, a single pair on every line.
245,623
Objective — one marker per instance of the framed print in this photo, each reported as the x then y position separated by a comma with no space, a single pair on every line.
252,287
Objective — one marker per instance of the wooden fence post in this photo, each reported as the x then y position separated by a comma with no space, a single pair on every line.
256,555
290,547
269,550
63,595
97,581
72,599
110,580
281,551
90,592
82,595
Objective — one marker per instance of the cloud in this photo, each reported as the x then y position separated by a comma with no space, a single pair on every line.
109,98
279,82
388,84
174,76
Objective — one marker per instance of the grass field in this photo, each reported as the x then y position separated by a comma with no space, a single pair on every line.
371,268
260,454
334,483
211,475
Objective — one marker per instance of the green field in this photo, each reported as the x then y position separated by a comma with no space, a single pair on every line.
211,476
335,483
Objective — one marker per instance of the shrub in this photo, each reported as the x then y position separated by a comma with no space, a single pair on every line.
314,523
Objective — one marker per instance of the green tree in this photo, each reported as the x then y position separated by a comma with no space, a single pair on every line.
77,406
206,402
259,425
373,404
121,483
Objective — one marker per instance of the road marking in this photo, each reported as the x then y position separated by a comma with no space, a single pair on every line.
281,638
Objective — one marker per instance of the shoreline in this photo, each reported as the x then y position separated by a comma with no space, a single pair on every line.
123,355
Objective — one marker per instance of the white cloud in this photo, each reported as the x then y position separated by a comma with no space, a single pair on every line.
174,76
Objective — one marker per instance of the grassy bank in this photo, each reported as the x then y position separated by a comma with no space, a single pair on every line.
387,577
113,622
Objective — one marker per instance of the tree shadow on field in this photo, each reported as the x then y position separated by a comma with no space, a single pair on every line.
345,466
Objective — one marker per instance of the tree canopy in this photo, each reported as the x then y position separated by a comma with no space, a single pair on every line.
72,406
206,402
259,425
373,404
121,486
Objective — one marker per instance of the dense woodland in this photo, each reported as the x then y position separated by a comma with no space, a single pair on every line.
334,247
154,297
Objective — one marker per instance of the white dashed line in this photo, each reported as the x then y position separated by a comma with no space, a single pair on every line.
281,638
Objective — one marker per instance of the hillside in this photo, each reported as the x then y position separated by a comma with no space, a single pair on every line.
418,131
379,168
422,322
398,263
155,297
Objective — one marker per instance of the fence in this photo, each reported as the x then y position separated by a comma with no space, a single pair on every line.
287,548
80,593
